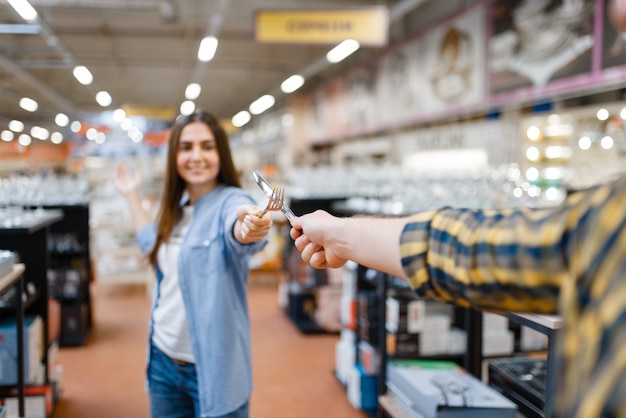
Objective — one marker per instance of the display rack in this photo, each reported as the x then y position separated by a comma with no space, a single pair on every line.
473,358
71,272
14,279
27,236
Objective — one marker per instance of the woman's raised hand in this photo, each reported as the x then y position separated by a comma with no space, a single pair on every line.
125,180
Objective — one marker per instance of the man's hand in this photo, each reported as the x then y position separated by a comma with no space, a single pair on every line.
317,238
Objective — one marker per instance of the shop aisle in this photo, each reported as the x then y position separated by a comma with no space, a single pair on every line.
293,373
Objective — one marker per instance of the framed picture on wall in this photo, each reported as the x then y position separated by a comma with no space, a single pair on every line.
535,42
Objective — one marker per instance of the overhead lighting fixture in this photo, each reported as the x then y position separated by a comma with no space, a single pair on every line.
24,140
126,124
342,51
241,119
119,115
193,91
135,135
28,104
187,107
24,9
39,133
91,134
76,126
61,119
261,104
16,126
83,75
56,137
207,49
100,138
292,84
103,98
7,136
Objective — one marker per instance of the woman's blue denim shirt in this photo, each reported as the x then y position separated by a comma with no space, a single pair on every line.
213,272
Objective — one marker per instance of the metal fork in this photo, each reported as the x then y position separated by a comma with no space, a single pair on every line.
276,201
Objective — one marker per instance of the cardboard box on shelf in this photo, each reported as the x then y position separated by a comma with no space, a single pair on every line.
33,349
443,389
38,401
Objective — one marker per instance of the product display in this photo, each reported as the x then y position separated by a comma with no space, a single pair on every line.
7,260
439,389
522,380
33,351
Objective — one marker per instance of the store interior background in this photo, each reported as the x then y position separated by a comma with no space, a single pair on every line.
469,103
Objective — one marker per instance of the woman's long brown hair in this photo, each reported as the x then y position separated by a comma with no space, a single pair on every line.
170,210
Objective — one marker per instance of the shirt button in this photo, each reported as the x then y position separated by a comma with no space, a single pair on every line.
206,243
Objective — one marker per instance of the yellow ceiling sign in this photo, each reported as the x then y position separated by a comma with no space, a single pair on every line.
369,26
165,113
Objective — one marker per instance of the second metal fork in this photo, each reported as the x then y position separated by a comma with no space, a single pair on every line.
276,201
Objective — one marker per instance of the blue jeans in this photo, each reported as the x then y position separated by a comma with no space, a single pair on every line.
174,389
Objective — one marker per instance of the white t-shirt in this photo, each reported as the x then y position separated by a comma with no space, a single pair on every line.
171,332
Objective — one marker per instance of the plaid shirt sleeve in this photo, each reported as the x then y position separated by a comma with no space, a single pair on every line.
570,259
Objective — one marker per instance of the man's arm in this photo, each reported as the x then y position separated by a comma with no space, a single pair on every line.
328,241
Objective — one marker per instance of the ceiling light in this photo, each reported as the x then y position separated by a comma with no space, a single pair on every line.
16,126
261,104
126,124
103,98
56,137
119,115
187,107
39,133
207,49
193,91
100,138
342,50
135,135
24,140
24,9
241,119
292,84
28,104
76,126
83,75
61,119
7,136
91,134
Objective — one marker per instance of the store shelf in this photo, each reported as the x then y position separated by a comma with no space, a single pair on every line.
71,271
28,239
390,408
13,279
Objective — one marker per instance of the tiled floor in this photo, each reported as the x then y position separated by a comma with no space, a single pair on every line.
293,373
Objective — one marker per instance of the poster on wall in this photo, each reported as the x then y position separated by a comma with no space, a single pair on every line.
450,68
437,72
613,42
361,99
535,42
397,87
329,113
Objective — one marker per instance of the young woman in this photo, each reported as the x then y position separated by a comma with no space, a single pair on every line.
199,361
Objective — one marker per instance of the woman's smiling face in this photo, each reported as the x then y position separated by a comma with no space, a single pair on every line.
197,159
